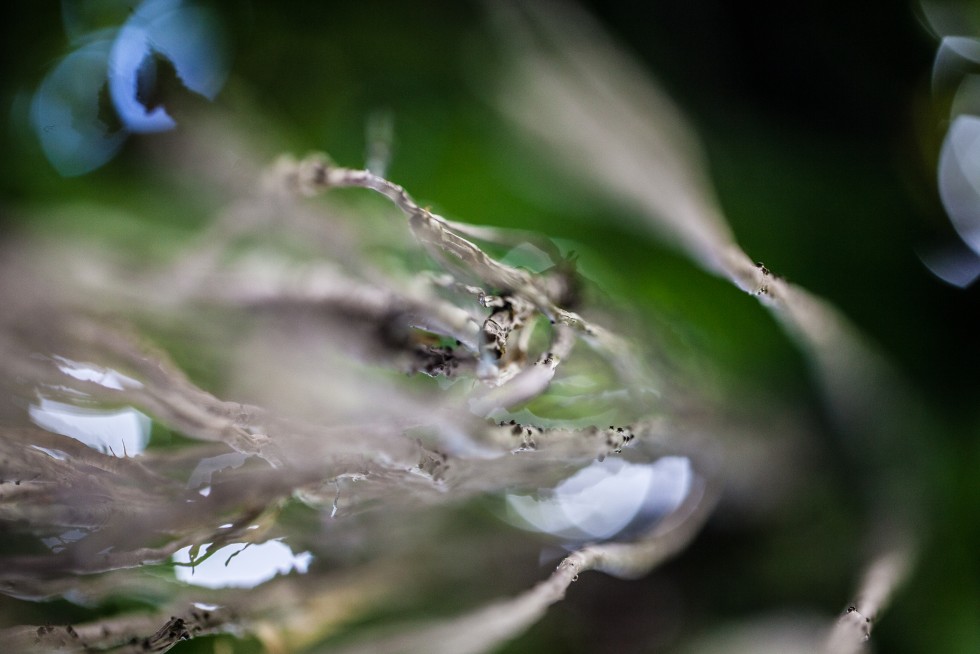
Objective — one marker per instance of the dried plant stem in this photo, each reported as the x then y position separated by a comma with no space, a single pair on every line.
853,629
316,173
490,626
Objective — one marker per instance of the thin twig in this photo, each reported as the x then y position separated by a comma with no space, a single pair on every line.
853,628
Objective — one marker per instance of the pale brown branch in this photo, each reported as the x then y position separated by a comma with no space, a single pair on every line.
852,630
488,627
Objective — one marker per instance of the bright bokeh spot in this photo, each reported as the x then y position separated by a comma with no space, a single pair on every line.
84,109
601,500
240,565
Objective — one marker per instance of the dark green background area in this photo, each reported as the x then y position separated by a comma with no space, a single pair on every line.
822,140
